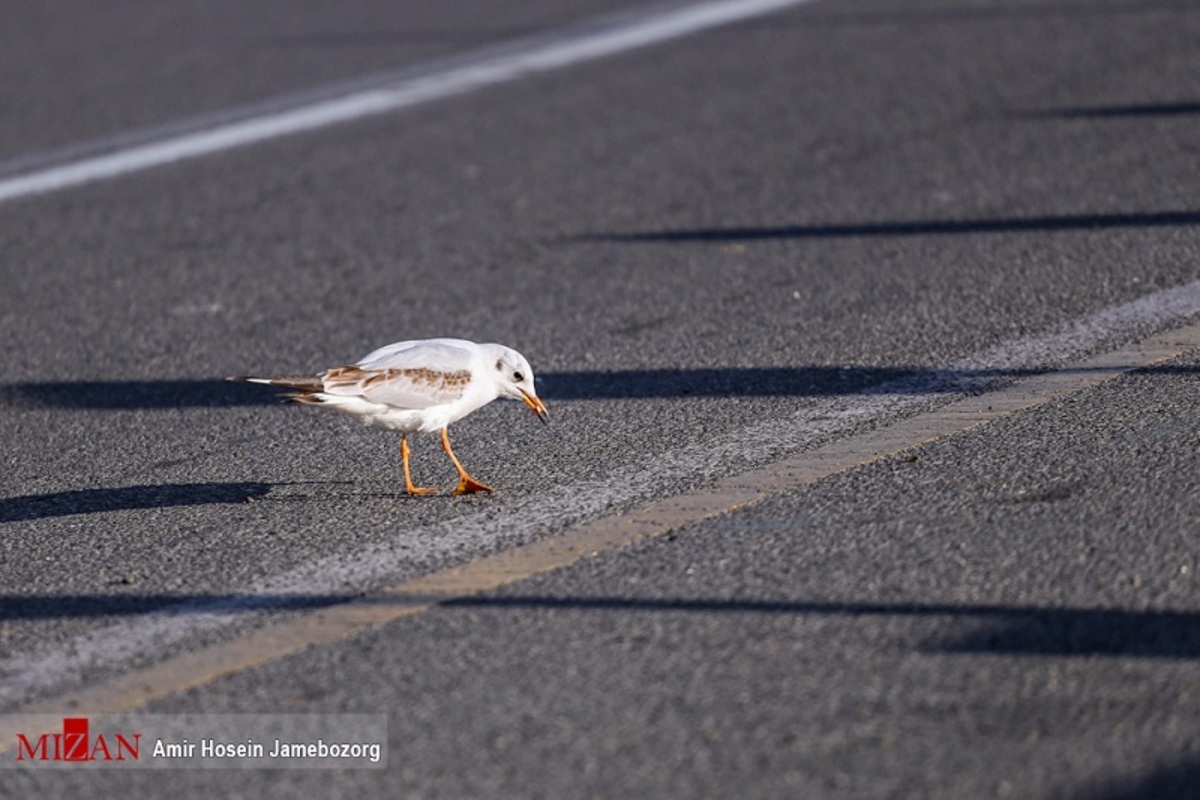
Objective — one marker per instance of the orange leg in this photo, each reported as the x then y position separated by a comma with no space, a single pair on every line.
466,484
408,483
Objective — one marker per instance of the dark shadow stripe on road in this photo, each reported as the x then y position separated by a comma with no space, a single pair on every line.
1121,112
949,227
1017,630
802,381
1020,630
1176,781
126,395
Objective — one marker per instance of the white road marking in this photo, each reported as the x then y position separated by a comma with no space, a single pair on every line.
155,635
570,46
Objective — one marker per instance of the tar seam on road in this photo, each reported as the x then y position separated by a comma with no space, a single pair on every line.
137,687
575,44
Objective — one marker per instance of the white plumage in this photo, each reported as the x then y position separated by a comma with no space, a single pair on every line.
419,386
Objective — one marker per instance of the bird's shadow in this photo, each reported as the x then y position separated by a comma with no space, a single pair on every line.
92,501
47,505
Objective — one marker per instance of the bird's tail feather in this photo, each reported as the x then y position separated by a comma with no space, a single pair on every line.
304,389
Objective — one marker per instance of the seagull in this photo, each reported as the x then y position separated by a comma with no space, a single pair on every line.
419,386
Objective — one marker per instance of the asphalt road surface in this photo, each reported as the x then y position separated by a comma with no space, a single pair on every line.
719,251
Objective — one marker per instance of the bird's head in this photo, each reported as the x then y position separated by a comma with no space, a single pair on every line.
514,379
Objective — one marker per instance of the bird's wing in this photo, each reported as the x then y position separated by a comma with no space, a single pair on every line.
446,354
411,375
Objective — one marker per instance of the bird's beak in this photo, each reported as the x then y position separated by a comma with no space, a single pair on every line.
535,404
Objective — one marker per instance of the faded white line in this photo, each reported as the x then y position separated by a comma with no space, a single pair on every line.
574,45
33,675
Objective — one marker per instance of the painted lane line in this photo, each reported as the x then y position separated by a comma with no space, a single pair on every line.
570,46
409,598
403,556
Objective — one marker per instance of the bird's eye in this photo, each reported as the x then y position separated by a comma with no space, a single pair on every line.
518,377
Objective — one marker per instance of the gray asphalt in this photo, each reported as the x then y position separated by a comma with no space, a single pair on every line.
1010,612
787,209
79,76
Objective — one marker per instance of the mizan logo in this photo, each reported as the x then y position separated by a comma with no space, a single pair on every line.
76,744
